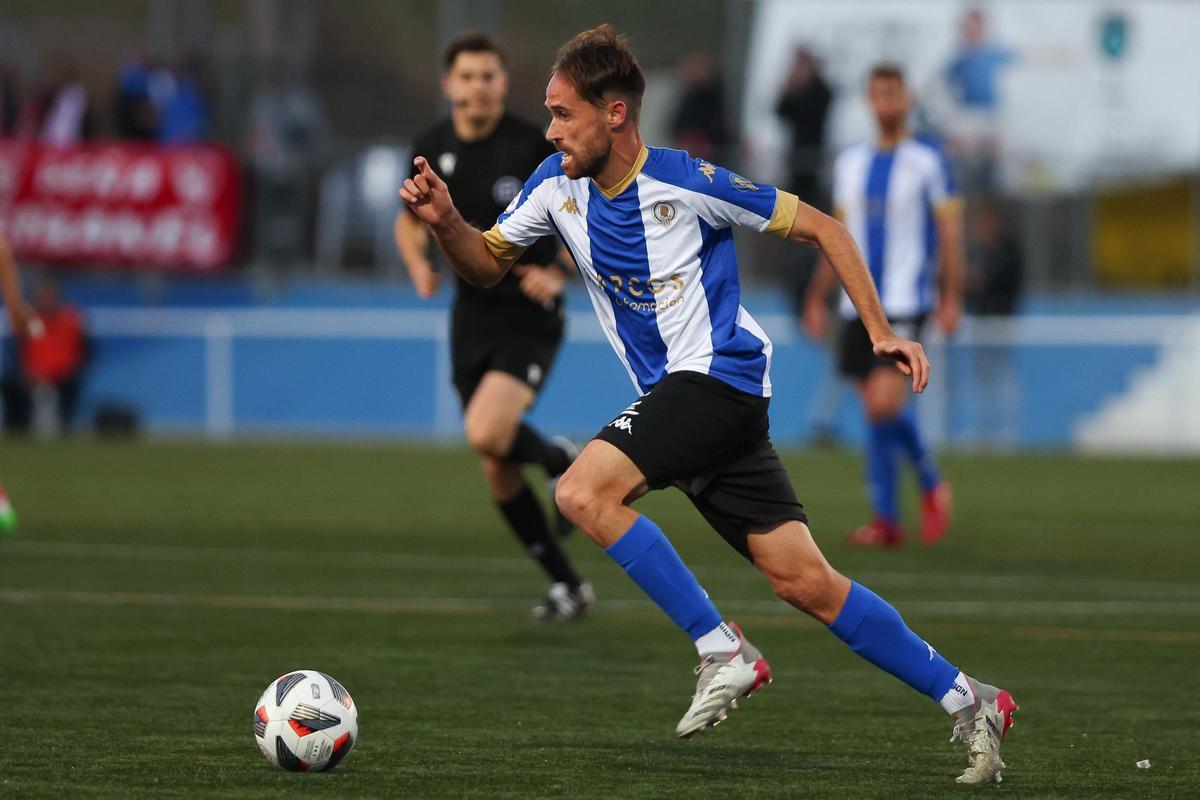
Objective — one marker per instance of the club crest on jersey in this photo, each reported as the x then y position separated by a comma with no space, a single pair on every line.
446,163
570,206
505,189
742,184
707,170
664,213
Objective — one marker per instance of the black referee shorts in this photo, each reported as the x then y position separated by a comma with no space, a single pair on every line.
711,441
856,354
523,349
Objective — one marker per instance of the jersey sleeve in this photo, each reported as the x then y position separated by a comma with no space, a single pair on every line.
724,198
941,182
527,217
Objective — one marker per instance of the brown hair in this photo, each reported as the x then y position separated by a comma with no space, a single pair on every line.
470,42
886,70
599,61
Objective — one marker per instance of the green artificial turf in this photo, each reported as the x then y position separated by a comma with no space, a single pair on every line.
153,590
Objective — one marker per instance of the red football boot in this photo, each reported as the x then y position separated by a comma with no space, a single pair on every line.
937,510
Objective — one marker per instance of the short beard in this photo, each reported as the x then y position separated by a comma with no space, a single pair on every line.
596,165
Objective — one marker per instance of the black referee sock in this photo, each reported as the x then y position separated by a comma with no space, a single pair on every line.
530,447
525,516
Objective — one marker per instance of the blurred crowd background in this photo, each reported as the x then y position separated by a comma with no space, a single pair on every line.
202,195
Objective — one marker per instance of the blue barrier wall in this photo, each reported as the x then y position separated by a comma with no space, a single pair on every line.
362,386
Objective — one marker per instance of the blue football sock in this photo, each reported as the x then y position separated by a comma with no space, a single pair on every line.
909,437
881,469
647,556
877,632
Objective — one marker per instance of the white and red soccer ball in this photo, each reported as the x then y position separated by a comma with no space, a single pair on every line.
305,721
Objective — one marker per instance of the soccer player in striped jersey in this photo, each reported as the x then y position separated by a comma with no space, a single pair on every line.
898,198
21,320
651,230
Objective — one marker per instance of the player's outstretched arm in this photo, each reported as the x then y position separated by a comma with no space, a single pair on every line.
836,244
953,268
463,244
412,240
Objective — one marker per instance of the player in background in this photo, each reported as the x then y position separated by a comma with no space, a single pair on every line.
503,340
651,231
898,198
21,323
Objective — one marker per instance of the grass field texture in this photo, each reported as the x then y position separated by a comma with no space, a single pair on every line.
153,590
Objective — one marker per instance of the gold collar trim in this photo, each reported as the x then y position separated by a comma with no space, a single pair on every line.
623,184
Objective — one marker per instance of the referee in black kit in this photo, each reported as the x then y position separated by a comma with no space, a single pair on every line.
503,339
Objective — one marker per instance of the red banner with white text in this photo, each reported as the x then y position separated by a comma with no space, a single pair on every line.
123,204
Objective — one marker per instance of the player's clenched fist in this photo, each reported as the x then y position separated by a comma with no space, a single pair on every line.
426,194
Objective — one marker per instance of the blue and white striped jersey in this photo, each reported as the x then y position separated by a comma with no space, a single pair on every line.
658,260
888,200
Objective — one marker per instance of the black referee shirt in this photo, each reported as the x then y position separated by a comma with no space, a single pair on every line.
483,177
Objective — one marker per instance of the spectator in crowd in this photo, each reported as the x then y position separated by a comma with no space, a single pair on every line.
60,114
53,360
994,283
699,125
971,77
287,138
804,107
10,100
134,113
185,115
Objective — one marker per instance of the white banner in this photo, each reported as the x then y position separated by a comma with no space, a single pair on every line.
1088,90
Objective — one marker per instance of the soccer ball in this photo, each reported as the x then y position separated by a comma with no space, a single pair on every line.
305,721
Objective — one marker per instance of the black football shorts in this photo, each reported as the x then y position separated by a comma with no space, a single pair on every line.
711,441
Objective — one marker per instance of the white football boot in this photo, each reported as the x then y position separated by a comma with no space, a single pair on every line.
982,726
724,678
563,603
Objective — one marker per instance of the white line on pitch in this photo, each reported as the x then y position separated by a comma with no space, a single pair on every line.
500,565
991,609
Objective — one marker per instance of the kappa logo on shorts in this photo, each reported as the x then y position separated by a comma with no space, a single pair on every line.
533,375
623,422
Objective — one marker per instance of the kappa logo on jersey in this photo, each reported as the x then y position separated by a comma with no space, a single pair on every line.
742,184
570,206
664,213
447,162
707,170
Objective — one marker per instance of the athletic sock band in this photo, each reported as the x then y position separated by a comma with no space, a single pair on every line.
646,555
877,632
